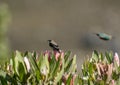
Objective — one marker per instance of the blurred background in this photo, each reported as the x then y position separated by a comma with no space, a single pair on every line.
71,23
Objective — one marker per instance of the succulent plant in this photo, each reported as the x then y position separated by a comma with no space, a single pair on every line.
101,69
47,68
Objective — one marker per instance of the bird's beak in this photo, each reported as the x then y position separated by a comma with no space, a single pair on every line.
48,40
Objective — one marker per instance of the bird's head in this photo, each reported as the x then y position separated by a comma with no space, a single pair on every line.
97,34
49,40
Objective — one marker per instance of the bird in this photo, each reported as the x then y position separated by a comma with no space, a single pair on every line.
104,36
54,45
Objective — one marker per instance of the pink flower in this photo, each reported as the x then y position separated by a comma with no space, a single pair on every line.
116,59
109,72
62,54
65,77
48,53
112,82
73,79
56,54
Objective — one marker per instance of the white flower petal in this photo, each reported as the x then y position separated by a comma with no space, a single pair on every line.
27,63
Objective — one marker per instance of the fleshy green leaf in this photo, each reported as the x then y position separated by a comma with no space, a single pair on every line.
73,67
3,81
109,57
69,79
95,56
60,73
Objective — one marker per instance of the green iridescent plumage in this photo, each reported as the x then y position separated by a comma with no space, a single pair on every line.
104,36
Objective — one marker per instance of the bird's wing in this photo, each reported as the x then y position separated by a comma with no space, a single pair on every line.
105,36
55,46
54,43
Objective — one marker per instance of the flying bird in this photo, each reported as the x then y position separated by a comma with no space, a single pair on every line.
54,45
104,36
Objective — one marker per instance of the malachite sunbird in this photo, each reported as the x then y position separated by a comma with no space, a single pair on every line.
104,36
54,45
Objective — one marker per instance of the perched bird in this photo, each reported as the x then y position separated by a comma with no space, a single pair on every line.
54,45
104,36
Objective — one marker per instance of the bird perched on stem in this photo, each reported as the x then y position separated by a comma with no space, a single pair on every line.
104,36
54,45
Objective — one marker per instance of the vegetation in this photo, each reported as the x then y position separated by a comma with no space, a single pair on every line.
101,69
5,19
49,68
53,68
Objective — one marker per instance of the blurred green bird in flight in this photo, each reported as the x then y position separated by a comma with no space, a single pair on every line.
104,36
